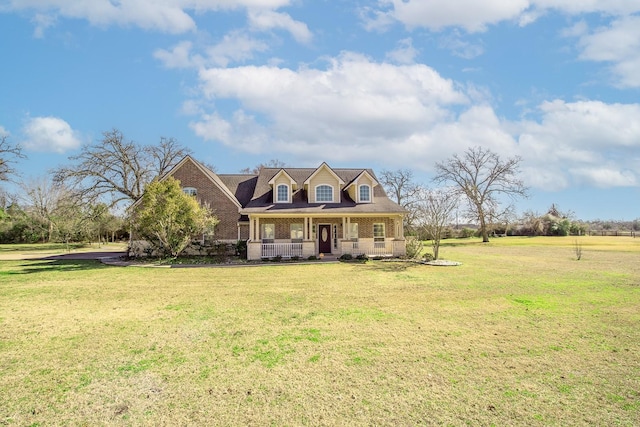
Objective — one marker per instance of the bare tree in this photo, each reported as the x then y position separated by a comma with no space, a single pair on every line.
402,189
9,154
437,211
273,163
481,176
117,167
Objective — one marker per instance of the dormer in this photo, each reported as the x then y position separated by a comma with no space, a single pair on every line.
283,187
361,188
324,186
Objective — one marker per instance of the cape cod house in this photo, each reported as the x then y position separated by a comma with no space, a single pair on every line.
299,212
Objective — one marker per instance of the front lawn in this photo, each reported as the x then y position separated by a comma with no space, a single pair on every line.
520,334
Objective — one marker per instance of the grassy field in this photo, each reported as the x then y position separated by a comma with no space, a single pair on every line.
520,334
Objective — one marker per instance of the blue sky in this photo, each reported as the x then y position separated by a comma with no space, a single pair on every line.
385,84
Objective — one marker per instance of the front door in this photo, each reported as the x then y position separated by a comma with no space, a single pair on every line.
324,239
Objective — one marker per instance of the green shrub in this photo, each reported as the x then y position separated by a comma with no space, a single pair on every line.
427,257
414,247
346,257
466,232
362,257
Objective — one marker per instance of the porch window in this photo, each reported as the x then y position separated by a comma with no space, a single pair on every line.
324,193
296,233
268,232
365,193
282,193
190,191
378,232
353,231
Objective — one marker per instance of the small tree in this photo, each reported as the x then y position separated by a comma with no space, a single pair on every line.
169,218
437,211
402,189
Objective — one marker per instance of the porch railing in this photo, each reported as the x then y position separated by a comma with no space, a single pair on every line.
371,249
285,250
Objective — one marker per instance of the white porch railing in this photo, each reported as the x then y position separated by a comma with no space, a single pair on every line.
368,248
285,250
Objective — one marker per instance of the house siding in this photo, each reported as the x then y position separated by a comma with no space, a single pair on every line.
210,195
324,177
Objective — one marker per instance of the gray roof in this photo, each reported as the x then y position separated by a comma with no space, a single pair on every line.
256,195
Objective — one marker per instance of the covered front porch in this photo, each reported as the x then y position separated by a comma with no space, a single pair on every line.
307,236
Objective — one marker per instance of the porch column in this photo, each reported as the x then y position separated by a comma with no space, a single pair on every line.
344,227
305,231
256,229
310,228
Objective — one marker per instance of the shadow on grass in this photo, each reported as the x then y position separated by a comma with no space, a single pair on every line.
62,266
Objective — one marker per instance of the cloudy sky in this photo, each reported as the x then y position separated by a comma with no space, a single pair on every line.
385,84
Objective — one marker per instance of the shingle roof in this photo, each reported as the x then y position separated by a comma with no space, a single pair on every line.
262,199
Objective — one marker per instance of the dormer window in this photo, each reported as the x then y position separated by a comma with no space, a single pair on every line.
365,194
282,193
190,191
324,193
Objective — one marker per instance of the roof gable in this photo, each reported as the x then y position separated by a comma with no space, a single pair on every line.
209,174
324,166
361,175
283,174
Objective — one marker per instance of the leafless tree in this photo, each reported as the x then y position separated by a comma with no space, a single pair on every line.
51,205
273,163
9,154
117,167
402,189
437,211
482,177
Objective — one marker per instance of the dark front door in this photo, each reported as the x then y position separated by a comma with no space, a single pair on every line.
324,239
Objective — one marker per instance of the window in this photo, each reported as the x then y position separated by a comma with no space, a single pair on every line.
324,193
296,232
365,193
190,191
268,232
282,193
378,232
353,231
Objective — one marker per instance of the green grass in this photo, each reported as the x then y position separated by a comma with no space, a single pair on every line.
520,334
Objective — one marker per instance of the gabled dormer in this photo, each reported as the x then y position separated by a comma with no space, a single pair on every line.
283,187
324,185
361,188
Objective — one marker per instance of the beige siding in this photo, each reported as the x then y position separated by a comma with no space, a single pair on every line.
324,177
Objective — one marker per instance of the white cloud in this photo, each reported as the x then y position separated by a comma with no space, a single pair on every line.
50,134
619,44
460,47
3,131
179,56
405,53
472,15
586,142
236,46
172,16
265,20
357,108
477,15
